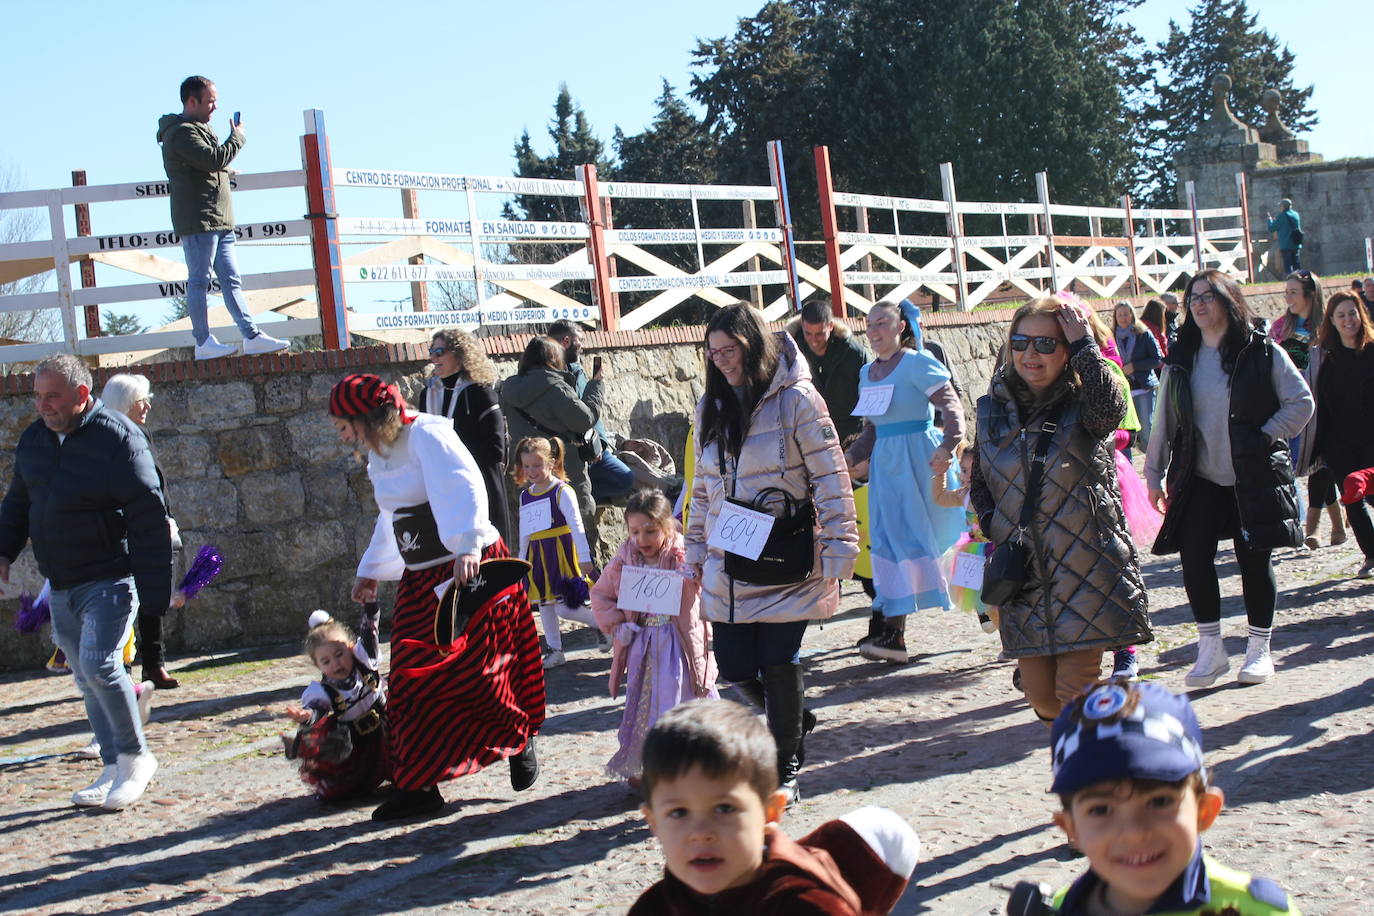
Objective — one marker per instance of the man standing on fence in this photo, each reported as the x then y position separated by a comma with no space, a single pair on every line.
198,171
85,492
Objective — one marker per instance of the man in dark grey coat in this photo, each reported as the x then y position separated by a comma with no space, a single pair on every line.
85,493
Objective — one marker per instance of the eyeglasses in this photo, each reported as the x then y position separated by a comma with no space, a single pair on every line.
1206,298
437,351
723,352
1020,342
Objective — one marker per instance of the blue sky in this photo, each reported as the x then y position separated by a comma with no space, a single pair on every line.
443,87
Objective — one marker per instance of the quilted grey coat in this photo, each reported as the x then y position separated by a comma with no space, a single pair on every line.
791,444
1084,588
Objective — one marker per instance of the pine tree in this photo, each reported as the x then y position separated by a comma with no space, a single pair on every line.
1222,36
114,324
574,144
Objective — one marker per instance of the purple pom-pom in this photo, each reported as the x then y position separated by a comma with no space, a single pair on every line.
33,614
573,591
203,569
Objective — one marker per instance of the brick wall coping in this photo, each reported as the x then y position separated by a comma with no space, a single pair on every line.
382,355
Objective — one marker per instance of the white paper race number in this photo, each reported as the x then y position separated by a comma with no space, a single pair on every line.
874,400
650,591
536,517
741,531
968,571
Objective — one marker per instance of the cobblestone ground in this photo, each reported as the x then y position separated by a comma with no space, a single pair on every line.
945,741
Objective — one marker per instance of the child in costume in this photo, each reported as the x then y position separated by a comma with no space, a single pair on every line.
1128,769
342,742
663,659
972,543
711,798
557,549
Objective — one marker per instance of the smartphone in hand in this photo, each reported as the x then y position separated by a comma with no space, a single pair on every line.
596,365
237,120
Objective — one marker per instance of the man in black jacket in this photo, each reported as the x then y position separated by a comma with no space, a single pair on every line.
85,492
834,357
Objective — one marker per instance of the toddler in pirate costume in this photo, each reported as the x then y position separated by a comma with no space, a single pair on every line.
341,743
1128,769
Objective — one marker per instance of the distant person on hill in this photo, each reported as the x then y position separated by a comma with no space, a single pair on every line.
1287,228
198,172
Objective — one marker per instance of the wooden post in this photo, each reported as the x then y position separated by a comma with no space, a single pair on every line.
324,232
410,209
1130,244
83,230
596,248
1042,190
608,223
62,264
866,265
1243,191
955,223
829,229
751,221
778,172
1196,226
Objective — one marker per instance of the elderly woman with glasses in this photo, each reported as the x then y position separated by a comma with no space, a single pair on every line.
132,396
1081,591
1230,401
461,389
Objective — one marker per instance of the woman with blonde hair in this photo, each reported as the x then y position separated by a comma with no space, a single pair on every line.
1081,591
462,389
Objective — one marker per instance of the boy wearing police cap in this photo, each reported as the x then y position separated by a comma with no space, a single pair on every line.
1128,770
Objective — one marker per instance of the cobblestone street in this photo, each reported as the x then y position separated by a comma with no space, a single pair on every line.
227,828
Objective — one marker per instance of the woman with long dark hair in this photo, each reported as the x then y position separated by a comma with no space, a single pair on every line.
461,389
457,706
1345,401
761,424
1230,400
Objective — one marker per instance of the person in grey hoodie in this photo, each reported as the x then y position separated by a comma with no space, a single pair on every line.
198,173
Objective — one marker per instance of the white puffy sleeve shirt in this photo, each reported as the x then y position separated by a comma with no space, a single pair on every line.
428,463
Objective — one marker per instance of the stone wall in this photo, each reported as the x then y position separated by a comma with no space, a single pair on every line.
254,466
1336,202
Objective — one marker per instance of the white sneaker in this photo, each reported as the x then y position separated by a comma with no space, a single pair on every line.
1259,664
213,349
145,700
1366,570
263,343
94,795
135,771
1212,662
554,659
91,751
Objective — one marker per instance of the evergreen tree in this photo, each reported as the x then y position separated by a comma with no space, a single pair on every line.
1222,36
114,324
676,148
574,144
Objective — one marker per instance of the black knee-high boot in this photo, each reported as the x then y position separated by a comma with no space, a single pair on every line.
785,690
753,691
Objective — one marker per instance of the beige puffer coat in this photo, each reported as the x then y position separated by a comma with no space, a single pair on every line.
790,418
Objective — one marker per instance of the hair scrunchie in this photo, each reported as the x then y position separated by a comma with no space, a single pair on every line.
360,393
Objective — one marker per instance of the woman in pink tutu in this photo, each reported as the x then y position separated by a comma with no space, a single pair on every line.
663,658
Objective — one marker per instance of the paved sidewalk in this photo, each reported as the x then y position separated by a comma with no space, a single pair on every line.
227,828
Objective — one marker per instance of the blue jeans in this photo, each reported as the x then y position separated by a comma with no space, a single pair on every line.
204,250
1292,259
1144,402
90,623
745,649
610,477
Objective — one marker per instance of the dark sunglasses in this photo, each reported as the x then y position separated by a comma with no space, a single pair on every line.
437,351
1020,342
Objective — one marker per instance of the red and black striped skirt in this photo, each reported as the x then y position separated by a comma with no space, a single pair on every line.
452,710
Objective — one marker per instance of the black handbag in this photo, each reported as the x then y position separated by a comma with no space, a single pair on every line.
789,554
1006,569
588,449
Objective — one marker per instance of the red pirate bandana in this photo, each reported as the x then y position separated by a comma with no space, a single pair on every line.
359,394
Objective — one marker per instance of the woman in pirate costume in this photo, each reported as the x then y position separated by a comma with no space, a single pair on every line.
459,700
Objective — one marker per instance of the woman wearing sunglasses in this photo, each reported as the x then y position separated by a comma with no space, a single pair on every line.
1230,400
761,424
1083,592
461,389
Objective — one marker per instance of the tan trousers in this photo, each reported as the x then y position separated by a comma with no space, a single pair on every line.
1051,681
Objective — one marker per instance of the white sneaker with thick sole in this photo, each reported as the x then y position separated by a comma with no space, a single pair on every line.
94,795
134,772
554,659
213,349
263,343
1259,664
91,751
1212,662
145,701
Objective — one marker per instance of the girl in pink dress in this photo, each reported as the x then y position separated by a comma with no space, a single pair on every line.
663,659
